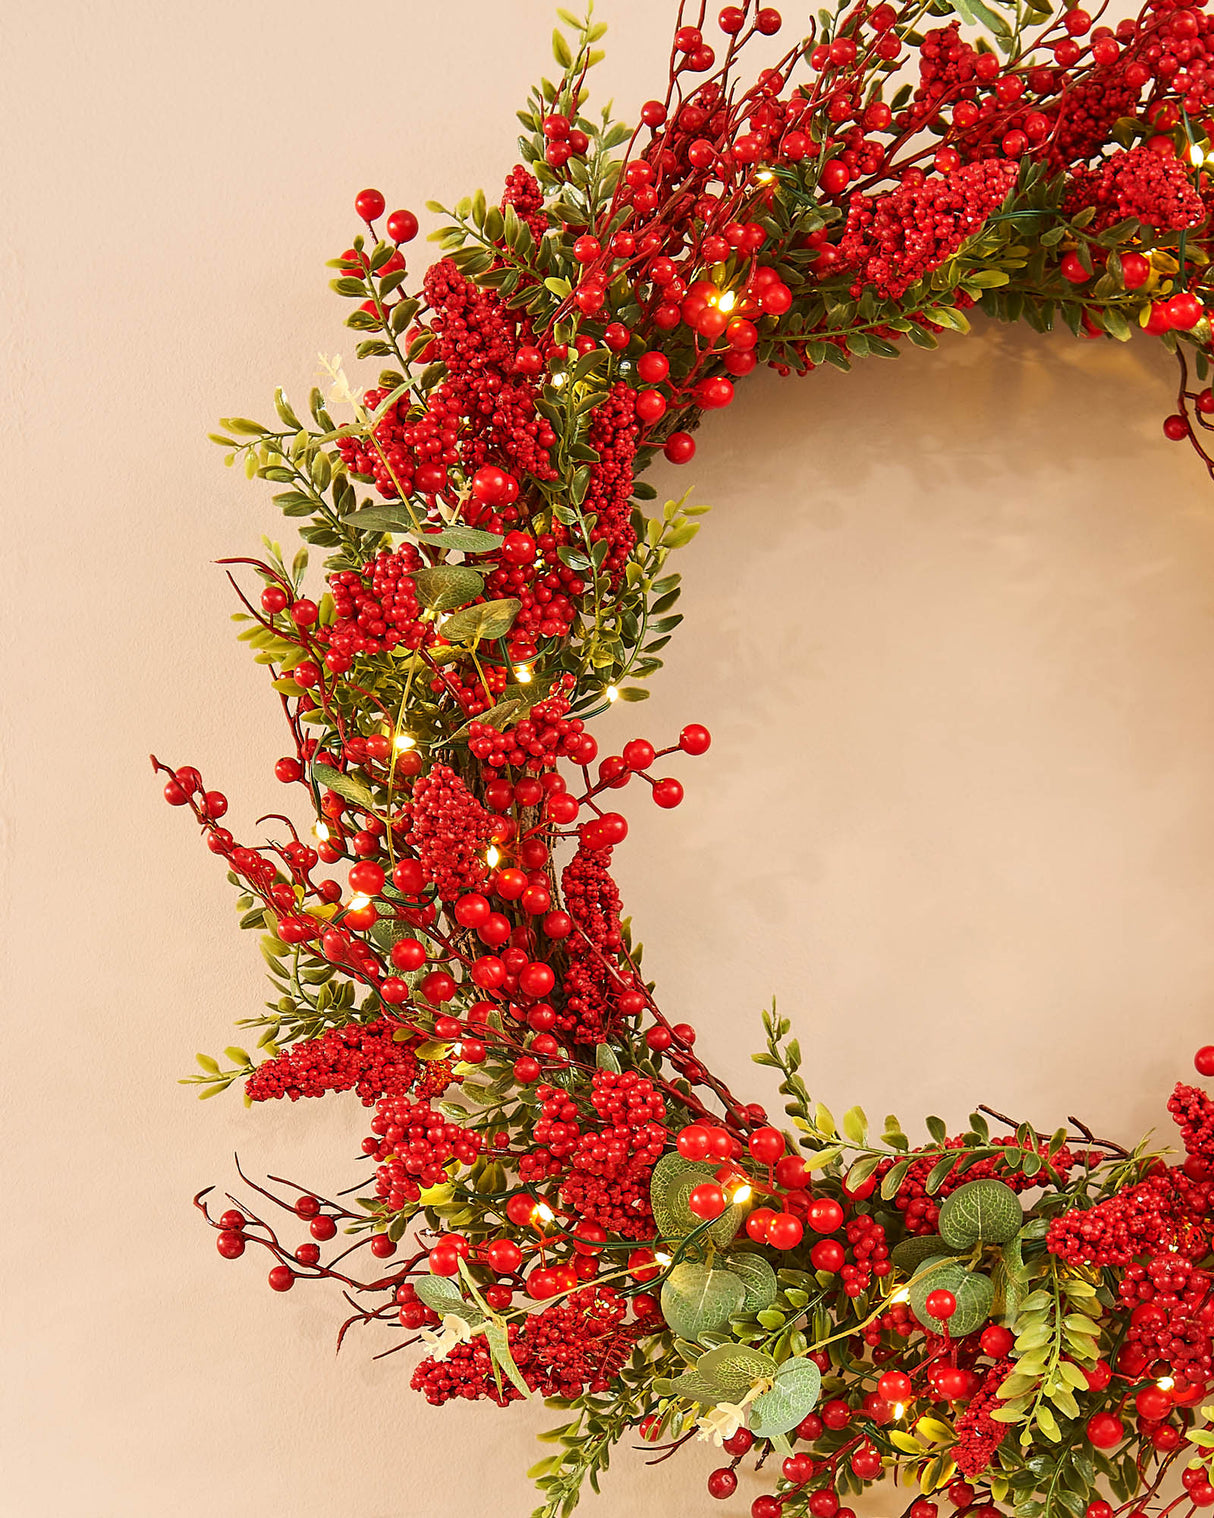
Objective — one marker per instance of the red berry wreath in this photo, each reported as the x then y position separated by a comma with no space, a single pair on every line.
560,1197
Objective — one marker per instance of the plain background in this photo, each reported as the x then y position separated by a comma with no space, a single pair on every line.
950,622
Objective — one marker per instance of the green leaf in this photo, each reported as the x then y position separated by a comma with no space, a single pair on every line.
605,1058
795,1392
697,1388
734,1368
671,1183
757,1276
491,619
986,1212
911,1252
499,1347
442,1295
974,1294
697,1298
344,786
379,519
459,539
447,586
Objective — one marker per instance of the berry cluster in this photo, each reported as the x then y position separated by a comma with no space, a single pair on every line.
607,1181
450,832
414,1145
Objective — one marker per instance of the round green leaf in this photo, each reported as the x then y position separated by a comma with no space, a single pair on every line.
672,1182
974,1294
698,1298
734,1369
794,1393
757,1276
911,1253
985,1212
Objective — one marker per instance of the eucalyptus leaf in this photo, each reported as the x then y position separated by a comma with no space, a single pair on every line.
794,1392
986,1212
698,1298
734,1368
446,586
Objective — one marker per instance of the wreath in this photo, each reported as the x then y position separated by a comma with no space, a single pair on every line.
560,1198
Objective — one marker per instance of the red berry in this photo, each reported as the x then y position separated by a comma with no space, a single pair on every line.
707,1200
1204,1060
680,447
785,1231
722,1483
941,1303
282,1278
369,204
402,226
1105,1430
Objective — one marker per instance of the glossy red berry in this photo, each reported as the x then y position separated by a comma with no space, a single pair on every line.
281,1278
722,1483
941,1303
369,204
785,1231
402,226
1105,1430
707,1200
680,448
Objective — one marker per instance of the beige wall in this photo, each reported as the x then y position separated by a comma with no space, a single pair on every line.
950,622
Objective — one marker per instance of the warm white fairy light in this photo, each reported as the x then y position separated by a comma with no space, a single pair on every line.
1165,1383
727,300
403,741
612,693
522,673
899,1409
492,855
901,1295
1196,155
765,176
544,1213
357,903
662,1259
742,1194
321,831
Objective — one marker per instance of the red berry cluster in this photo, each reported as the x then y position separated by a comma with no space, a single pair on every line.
414,1144
524,194
1132,1222
1193,1112
608,1177
573,1346
893,240
450,832
377,607
979,1435
1148,186
548,591
536,743
1171,1317
359,1057
614,431
592,898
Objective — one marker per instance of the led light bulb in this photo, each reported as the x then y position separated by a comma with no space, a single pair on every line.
612,694
403,741
765,176
662,1259
1196,155
357,903
492,856
1165,1383
742,1194
899,1409
544,1213
727,300
320,831
901,1295
522,674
